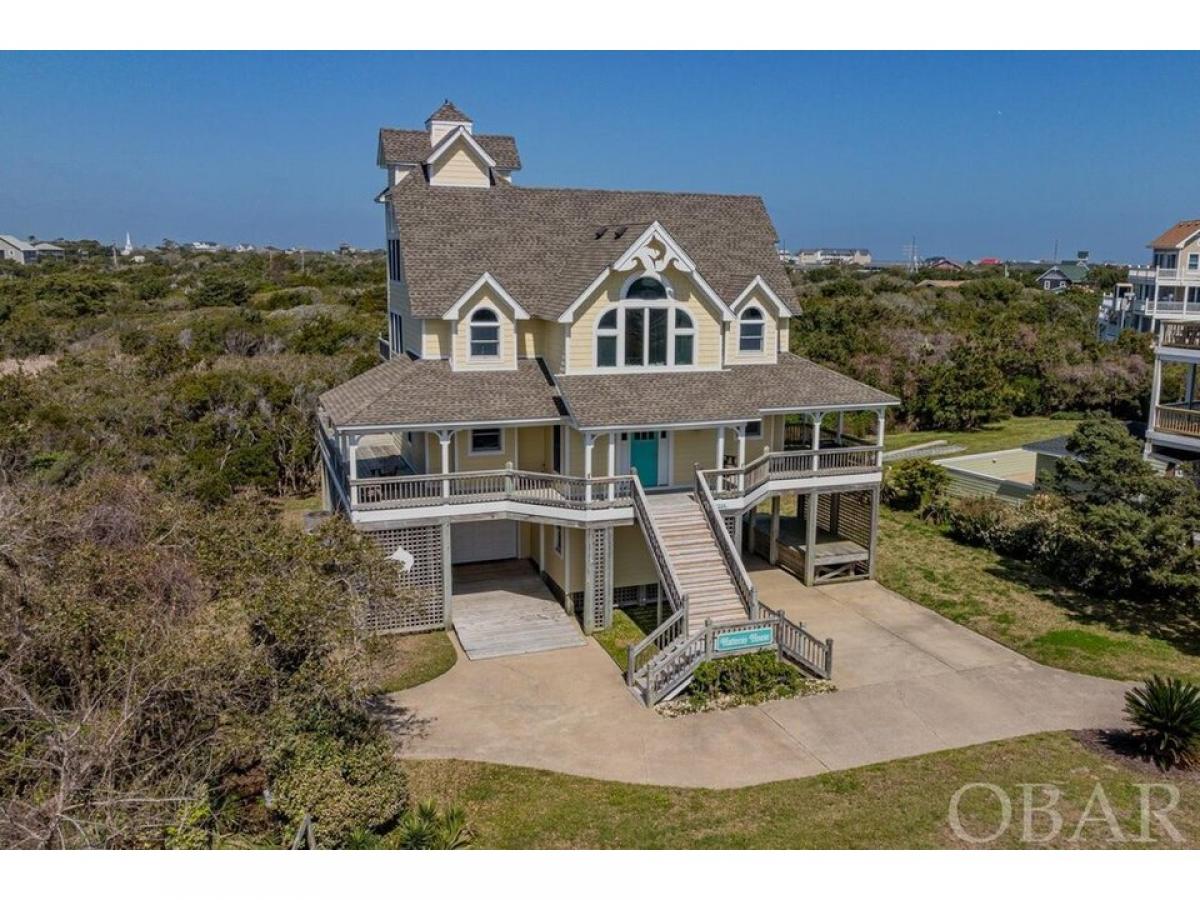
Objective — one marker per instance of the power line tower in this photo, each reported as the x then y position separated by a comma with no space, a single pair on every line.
910,253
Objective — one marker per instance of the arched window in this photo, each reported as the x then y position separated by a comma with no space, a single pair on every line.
646,288
750,334
485,334
647,328
685,338
606,339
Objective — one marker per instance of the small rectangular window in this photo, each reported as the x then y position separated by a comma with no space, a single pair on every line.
754,429
635,337
487,440
1193,262
684,344
485,340
606,350
657,345
750,338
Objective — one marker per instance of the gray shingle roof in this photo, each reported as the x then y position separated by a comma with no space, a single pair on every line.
734,394
542,245
448,112
400,147
404,391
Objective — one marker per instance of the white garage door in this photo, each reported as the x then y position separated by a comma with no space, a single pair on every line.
479,541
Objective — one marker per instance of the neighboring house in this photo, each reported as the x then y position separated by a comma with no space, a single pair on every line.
597,384
1065,275
1168,288
17,250
1173,426
941,263
205,246
827,256
989,261
25,252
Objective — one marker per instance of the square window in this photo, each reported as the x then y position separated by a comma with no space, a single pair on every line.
754,429
485,340
487,440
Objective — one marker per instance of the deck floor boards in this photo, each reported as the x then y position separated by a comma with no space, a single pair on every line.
504,609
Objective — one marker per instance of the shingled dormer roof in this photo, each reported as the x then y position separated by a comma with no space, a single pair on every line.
547,245
406,147
1175,235
448,112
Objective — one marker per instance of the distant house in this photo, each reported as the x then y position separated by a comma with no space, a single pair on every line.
1065,275
24,252
990,261
829,256
942,264
205,246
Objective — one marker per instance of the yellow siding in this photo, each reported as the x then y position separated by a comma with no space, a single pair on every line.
784,335
691,447
632,564
462,336
531,453
553,335
531,338
436,344
459,168
770,333
554,564
705,316
465,461
577,559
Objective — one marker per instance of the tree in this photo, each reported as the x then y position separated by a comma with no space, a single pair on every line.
963,392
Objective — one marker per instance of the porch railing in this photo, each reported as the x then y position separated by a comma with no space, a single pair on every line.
799,645
789,464
1183,420
537,488
1184,335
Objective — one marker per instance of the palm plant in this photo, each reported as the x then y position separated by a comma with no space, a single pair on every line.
1166,713
426,828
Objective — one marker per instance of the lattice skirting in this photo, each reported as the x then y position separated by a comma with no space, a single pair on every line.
422,608
635,595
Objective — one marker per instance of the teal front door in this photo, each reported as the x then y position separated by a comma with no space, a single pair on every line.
643,456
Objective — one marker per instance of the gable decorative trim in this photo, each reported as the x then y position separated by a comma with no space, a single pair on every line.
451,139
758,282
487,280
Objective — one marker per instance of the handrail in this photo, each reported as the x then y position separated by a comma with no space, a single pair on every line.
729,551
734,482
800,645
672,629
332,469
667,575
1180,334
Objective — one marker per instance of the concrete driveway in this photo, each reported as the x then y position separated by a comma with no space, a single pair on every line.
909,682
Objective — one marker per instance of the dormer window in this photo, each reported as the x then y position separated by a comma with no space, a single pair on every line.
485,334
647,329
750,334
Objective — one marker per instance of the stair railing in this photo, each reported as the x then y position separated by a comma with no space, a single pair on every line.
729,551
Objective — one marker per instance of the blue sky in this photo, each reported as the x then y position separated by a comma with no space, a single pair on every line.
974,154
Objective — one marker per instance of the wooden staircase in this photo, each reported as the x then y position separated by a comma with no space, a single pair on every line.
692,547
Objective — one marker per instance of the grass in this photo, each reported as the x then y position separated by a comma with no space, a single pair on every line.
1004,435
406,660
901,804
629,626
292,509
1011,602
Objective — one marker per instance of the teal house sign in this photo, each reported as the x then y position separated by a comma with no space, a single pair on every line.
730,641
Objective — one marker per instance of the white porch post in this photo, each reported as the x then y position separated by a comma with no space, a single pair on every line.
1155,392
612,462
1191,384
589,443
840,426
720,447
773,556
815,419
741,456
352,462
444,437
812,505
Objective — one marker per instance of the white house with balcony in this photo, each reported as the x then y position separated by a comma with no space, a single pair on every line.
596,387
1173,428
1167,289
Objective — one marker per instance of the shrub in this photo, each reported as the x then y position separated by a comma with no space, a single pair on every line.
220,290
749,675
981,521
1166,715
427,828
321,335
915,484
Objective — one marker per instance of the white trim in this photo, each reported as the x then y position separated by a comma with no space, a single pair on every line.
497,323
758,282
511,509
762,335
634,255
450,138
443,426
485,279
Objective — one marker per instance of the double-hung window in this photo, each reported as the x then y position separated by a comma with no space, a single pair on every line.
750,334
1193,262
485,334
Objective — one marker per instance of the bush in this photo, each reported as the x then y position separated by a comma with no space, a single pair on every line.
426,828
1166,715
220,290
915,484
750,675
980,521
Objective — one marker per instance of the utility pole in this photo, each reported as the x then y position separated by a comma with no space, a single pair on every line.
910,251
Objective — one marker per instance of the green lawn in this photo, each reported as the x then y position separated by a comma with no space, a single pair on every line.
405,660
901,804
1013,603
998,436
629,625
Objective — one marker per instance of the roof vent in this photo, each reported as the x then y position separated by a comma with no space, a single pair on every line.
620,231
600,231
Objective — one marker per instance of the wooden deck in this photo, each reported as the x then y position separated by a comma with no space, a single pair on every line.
504,609
835,557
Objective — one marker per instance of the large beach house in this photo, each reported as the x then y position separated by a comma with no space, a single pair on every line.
1166,290
596,384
